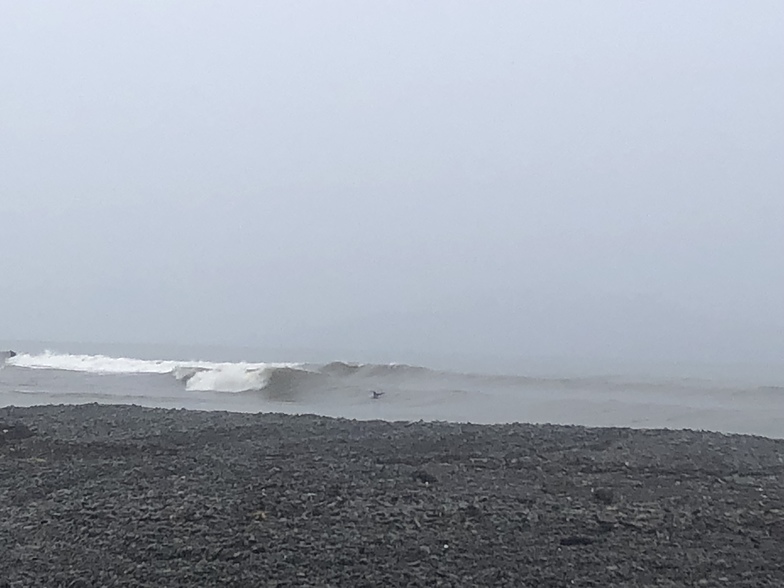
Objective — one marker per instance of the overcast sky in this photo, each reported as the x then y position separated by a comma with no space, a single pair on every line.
554,178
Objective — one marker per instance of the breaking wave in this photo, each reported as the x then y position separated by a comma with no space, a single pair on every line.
279,381
195,375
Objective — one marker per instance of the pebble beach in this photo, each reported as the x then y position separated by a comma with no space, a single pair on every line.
110,496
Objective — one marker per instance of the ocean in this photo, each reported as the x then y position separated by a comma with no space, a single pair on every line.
730,399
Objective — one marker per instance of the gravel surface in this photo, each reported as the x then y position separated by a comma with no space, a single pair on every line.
125,496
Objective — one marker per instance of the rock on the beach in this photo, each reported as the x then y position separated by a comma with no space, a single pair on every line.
10,432
604,495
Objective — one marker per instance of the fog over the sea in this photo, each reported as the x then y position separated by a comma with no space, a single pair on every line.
549,179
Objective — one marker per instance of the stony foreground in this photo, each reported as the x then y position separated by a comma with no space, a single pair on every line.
125,496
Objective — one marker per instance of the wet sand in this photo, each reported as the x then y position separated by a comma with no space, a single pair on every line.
125,496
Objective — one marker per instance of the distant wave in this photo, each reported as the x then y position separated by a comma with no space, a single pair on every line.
340,368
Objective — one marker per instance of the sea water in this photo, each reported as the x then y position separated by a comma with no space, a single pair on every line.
731,399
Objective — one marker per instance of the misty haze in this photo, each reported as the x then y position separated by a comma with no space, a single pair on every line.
513,180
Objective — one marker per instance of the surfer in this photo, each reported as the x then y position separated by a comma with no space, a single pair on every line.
375,394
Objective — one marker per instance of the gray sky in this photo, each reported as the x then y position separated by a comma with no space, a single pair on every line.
553,178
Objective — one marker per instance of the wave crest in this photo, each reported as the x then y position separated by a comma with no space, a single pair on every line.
196,375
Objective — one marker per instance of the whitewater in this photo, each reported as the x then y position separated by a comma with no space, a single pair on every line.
397,392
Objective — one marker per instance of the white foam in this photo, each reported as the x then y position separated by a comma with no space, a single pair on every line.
197,375
96,364
229,378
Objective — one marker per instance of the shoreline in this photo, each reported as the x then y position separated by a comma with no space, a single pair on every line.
110,495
